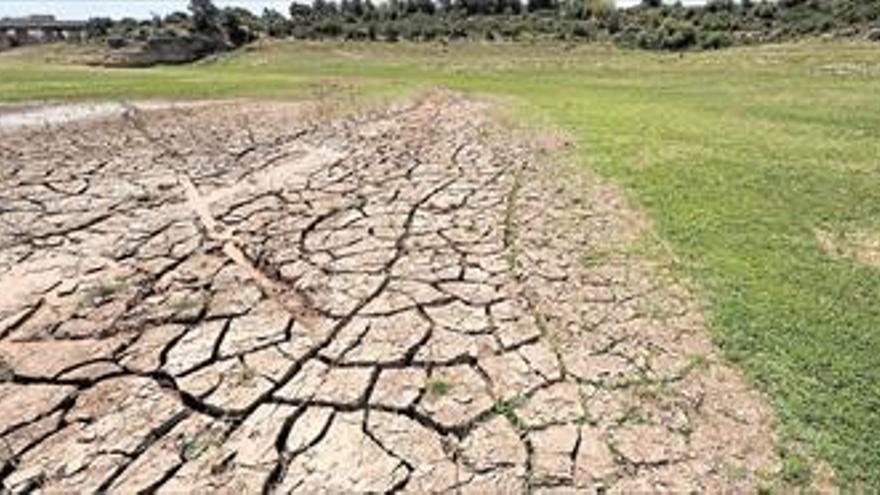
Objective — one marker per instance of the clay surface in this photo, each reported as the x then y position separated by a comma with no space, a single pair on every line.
236,298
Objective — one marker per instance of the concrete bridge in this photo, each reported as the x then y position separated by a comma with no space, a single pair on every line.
39,29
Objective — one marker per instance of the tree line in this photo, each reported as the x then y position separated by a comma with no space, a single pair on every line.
650,25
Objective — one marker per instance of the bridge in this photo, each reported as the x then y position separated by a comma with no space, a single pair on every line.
39,29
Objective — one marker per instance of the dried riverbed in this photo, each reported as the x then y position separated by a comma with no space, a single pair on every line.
243,297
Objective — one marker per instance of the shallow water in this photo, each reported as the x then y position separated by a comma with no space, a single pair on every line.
15,118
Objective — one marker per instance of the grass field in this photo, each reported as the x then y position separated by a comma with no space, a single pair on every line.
744,159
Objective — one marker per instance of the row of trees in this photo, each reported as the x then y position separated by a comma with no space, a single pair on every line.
652,25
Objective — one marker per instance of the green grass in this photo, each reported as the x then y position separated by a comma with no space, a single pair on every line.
737,156
438,387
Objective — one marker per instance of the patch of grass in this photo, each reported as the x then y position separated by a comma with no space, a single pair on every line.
6,371
507,409
102,291
595,257
195,446
634,415
737,157
736,471
796,470
187,303
188,307
438,387
140,196
192,449
243,375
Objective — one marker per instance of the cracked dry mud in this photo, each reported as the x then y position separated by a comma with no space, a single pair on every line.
236,297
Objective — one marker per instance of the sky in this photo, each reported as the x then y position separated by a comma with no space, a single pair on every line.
139,9
143,9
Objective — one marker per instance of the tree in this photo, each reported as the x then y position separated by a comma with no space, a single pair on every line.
300,13
98,27
513,7
535,5
720,5
176,18
275,24
205,17
420,7
324,9
392,10
352,8
599,8
370,13
239,25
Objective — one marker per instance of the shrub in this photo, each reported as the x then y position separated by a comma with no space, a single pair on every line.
117,42
601,9
676,35
714,41
652,25
390,32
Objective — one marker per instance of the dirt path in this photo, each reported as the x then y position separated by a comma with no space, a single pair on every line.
234,298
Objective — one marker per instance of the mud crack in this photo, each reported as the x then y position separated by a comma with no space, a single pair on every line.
238,297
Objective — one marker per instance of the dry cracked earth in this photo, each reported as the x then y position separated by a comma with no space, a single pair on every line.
244,297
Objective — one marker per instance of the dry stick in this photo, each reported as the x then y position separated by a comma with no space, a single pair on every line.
294,303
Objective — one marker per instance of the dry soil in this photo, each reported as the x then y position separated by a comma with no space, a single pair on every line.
240,297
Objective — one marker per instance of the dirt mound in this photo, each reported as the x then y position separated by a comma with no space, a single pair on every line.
235,298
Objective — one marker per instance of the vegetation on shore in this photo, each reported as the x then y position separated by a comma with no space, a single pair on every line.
651,25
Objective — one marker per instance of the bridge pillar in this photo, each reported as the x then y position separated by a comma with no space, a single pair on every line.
20,37
17,32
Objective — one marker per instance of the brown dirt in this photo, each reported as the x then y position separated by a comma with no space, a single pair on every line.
861,246
234,298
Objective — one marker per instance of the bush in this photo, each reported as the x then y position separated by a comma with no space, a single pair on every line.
97,27
765,10
714,41
676,35
330,28
117,42
651,25
601,9
390,32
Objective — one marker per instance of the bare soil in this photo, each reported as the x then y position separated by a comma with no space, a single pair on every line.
859,245
236,297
